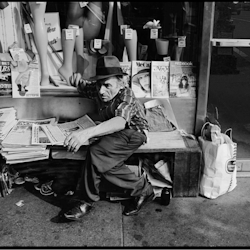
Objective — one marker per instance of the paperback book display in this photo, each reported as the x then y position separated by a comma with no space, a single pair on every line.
5,78
160,79
182,82
141,78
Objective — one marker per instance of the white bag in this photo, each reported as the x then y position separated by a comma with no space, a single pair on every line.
219,164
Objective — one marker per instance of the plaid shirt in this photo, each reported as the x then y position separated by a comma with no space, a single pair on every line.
124,104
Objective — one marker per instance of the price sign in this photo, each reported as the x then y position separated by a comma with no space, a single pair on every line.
71,26
69,34
182,41
123,27
128,33
153,33
27,28
97,43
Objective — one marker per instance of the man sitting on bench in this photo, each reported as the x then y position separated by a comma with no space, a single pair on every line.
123,129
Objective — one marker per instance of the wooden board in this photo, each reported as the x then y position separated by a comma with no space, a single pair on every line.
163,142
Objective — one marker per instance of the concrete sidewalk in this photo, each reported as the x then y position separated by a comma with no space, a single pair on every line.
186,222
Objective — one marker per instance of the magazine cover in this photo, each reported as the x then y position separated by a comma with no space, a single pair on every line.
182,79
5,78
126,68
160,79
141,78
26,81
52,23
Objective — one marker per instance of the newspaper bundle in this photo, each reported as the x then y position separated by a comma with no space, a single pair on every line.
55,134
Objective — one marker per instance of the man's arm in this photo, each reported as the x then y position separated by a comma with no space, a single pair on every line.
110,126
77,138
85,87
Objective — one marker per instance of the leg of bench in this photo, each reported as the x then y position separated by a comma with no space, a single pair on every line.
186,174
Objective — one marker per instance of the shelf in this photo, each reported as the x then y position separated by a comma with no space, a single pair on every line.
62,90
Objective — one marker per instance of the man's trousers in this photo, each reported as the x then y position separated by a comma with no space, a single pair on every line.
106,158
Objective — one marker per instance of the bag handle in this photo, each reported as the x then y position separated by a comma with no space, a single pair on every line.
229,133
203,128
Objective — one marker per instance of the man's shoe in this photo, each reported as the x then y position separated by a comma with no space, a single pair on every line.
136,206
78,211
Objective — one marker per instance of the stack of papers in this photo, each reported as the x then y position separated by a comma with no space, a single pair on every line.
27,140
17,145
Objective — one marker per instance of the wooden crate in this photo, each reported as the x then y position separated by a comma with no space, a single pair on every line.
186,162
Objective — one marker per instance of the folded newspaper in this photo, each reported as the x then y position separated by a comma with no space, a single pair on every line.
55,134
20,135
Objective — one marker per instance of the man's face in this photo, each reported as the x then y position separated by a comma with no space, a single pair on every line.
108,88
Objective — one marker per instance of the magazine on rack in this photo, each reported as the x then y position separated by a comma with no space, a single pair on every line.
140,78
126,68
56,133
182,82
5,78
160,79
26,81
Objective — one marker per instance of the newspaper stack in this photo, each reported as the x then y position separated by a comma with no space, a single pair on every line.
17,145
27,141
7,121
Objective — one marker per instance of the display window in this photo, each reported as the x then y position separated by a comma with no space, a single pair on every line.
68,37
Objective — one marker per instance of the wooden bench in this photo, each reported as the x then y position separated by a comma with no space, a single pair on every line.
184,153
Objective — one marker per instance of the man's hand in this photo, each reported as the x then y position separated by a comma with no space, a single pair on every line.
76,139
75,79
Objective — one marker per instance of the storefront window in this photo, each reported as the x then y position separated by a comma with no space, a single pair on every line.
229,87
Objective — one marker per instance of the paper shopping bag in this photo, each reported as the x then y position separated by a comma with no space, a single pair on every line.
219,166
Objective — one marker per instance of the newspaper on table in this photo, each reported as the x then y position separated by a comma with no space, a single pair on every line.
56,133
21,134
7,121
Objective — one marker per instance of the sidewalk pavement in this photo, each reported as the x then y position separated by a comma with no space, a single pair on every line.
185,222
